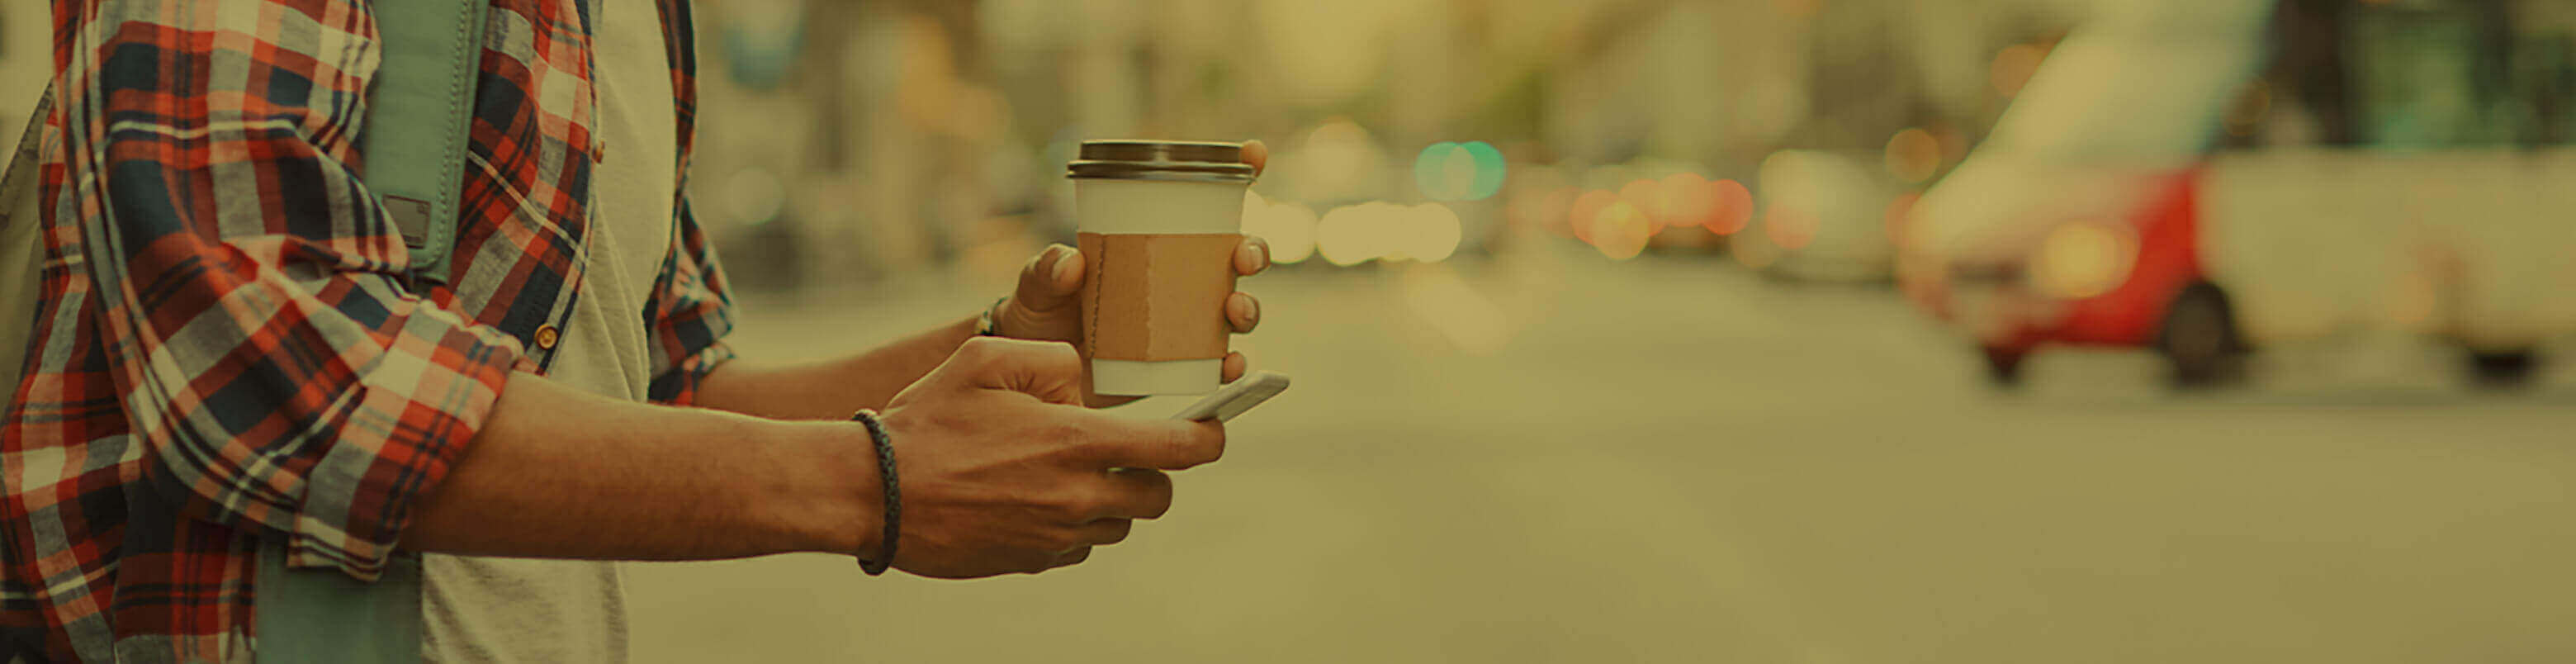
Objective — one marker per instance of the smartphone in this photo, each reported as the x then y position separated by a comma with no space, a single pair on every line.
1236,397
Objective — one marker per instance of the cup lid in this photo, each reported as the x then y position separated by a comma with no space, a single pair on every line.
1186,161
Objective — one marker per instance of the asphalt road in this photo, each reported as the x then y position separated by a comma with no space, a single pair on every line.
1558,459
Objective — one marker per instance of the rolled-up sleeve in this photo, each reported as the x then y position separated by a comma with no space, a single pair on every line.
267,356
690,313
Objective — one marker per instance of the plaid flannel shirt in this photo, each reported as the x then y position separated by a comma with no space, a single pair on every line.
226,349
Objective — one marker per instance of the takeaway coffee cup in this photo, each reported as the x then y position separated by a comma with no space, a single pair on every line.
1158,224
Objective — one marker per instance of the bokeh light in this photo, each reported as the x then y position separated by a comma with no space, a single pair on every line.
1383,231
1343,238
1459,171
1913,155
1339,160
1688,199
1620,230
1789,227
1437,171
1543,209
1733,207
1428,233
1288,226
1490,170
1648,197
2083,259
1587,208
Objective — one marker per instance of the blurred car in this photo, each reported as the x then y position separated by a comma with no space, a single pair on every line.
2202,178
1824,218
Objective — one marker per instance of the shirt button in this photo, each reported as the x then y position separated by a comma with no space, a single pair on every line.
547,336
599,150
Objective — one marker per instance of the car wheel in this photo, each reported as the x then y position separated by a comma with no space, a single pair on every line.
2503,369
2003,365
2200,340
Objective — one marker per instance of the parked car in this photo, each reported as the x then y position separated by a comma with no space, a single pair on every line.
1823,218
2203,178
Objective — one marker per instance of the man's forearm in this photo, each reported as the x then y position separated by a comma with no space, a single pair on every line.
831,389
559,473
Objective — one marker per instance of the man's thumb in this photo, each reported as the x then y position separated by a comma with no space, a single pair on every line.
1051,279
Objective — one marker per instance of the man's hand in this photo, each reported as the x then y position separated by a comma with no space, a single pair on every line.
1045,305
1004,471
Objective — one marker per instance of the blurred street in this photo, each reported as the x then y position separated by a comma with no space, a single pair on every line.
1640,330
1552,457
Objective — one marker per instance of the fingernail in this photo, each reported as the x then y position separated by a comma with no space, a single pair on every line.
1258,253
1063,265
1251,310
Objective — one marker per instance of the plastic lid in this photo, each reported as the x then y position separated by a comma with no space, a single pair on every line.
1187,161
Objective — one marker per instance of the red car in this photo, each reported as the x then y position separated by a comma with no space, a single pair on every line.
2203,178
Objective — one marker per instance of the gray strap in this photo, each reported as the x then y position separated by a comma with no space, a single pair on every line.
25,161
22,251
419,113
321,615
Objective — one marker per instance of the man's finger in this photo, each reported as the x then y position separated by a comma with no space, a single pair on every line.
1050,279
1048,370
1253,256
1142,493
1242,312
1106,531
1067,271
1072,557
1257,154
1234,367
1121,442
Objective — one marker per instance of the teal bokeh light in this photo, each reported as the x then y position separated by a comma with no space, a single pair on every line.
1430,170
1489,170
1459,171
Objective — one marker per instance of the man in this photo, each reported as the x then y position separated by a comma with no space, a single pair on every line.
226,355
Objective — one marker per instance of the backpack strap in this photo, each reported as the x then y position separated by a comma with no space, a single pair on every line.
419,108
321,615
419,113
22,253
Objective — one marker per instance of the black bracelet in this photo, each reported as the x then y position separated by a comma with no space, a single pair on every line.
893,494
989,323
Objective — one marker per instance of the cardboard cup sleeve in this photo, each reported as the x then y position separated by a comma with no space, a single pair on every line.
1156,297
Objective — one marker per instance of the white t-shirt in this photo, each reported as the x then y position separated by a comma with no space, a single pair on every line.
521,610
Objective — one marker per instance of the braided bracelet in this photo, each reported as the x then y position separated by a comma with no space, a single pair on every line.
989,323
893,495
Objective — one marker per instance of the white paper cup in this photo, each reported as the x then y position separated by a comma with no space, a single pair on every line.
1154,209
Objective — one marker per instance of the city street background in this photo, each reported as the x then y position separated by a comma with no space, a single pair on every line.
1803,331
1670,461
